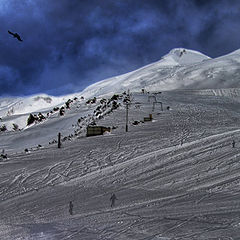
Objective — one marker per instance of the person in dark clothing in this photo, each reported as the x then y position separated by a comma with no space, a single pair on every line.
113,198
71,208
233,144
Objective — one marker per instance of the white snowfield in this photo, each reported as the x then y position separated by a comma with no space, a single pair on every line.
16,110
177,177
162,75
180,69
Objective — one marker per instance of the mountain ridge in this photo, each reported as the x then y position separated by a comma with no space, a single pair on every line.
171,72
179,69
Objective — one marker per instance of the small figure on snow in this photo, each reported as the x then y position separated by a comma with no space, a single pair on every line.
233,143
113,198
3,154
71,208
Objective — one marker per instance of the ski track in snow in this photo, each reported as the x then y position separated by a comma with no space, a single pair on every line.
175,178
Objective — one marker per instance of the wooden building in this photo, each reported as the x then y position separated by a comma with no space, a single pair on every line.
97,130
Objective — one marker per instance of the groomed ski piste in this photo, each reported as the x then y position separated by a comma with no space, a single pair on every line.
175,177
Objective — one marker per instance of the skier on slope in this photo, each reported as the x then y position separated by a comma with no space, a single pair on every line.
233,143
113,198
71,208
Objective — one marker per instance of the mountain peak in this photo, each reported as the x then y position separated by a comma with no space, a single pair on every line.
182,56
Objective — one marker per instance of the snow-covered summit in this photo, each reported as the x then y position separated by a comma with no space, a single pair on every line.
179,69
182,56
161,75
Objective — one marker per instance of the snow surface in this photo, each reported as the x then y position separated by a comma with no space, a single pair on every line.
161,75
17,110
177,177
177,70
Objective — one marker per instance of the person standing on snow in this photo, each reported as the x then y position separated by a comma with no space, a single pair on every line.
233,144
113,198
71,208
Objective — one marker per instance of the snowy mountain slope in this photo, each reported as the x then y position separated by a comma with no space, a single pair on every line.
23,105
70,119
180,69
176,70
153,77
175,178
17,110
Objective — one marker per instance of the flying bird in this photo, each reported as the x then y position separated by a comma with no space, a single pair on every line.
15,35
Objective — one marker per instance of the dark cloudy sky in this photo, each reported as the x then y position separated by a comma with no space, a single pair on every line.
70,44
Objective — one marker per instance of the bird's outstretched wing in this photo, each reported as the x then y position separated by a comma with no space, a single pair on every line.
18,37
10,33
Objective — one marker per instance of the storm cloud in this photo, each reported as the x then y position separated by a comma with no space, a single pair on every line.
70,44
